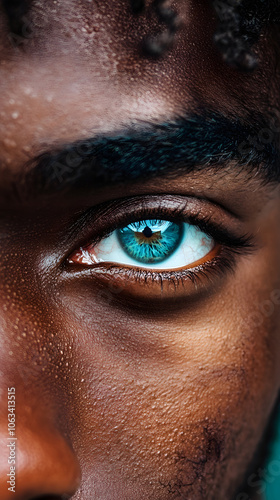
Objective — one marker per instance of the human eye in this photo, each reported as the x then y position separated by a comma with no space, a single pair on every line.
159,240
157,244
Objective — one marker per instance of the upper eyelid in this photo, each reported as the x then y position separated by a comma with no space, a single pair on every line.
93,224
97,212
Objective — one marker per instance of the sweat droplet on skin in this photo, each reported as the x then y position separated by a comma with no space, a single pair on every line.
9,143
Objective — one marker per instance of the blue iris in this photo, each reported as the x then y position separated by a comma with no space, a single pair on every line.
150,241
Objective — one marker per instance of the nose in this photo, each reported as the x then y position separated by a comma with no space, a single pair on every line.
39,463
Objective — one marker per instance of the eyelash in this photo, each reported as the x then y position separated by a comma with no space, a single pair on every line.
230,246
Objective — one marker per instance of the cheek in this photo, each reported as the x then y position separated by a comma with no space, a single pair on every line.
175,398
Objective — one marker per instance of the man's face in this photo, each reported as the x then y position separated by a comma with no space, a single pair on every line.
135,379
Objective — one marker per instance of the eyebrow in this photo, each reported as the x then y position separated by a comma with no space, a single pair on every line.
196,142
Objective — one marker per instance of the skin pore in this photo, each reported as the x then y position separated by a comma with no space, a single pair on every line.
133,385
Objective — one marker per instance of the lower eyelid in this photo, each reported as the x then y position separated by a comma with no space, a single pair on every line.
148,286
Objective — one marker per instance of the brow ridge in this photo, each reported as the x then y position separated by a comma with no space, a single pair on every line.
143,150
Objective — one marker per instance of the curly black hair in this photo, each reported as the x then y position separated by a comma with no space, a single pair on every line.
239,26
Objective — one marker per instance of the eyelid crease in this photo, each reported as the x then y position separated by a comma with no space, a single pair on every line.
86,229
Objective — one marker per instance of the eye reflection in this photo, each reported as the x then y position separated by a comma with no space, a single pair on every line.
151,244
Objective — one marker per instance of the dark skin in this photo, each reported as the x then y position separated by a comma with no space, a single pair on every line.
126,389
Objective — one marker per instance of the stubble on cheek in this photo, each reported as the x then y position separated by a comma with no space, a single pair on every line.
213,452
171,426
194,471
171,442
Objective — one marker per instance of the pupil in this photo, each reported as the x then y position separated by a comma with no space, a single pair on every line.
147,232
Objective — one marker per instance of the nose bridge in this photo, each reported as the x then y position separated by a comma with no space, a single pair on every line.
36,458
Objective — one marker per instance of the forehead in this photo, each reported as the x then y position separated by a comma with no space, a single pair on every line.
81,71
